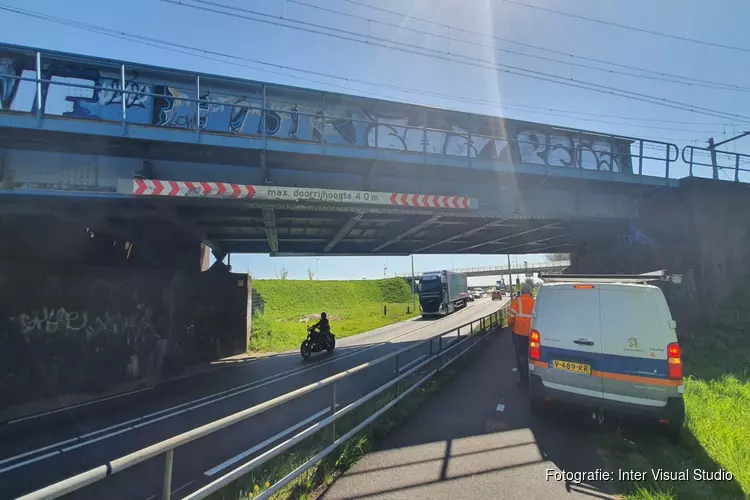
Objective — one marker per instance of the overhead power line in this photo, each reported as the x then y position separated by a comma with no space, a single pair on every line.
464,60
204,54
545,49
624,26
717,86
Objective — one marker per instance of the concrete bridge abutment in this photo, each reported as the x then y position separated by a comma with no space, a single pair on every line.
700,230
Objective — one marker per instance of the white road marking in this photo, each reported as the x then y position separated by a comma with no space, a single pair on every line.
79,405
260,446
21,464
206,400
54,445
84,443
500,408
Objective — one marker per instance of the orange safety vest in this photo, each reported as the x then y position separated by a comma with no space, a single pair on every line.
519,315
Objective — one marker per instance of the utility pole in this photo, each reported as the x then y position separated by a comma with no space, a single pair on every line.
510,275
712,148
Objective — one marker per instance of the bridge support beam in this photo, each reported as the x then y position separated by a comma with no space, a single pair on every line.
269,221
345,229
411,231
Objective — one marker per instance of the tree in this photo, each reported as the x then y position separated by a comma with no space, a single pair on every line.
310,273
283,273
557,257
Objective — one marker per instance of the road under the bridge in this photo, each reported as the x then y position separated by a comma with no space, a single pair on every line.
40,451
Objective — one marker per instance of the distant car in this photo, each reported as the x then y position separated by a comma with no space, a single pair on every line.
477,294
497,295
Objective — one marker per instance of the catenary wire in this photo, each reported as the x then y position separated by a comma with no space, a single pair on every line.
498,67
537,47
625,26
716,86
148,41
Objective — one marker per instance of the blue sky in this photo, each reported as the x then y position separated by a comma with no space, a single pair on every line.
540,101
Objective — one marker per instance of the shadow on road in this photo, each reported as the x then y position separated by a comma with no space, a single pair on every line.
477,438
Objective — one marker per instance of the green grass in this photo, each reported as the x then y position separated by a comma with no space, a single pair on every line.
352,307
309,484
717,401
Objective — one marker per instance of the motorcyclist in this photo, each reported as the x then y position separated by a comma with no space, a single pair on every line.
320,328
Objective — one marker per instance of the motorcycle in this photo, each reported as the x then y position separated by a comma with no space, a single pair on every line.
324,342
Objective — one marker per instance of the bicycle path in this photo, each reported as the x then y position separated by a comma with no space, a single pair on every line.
476,438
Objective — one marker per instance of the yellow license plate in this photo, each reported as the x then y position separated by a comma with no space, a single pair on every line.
570,366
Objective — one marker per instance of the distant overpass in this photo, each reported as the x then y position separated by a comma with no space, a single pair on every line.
549,266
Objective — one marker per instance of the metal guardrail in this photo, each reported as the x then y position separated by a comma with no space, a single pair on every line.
579,142
499,269
718,161
168,446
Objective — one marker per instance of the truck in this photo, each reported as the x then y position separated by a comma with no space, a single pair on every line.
442,292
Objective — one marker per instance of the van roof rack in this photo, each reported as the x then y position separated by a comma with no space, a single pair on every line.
612,278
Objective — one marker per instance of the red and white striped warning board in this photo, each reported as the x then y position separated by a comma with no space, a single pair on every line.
143,187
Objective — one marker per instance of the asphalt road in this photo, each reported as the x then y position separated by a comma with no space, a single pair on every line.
40,451
477,439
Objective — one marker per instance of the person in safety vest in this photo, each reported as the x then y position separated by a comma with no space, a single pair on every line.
519,320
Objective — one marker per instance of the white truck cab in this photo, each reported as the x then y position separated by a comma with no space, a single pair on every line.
607,343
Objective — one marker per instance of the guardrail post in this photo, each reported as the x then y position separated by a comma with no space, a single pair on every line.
39,86
166,488
398,373
333,410
122,96
440,350
737,168
640,158
198,106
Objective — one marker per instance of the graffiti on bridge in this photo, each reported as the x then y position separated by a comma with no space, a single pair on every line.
358,123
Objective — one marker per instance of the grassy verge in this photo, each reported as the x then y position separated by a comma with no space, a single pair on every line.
717,401
352,307
312,483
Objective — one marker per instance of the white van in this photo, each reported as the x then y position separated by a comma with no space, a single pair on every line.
607,343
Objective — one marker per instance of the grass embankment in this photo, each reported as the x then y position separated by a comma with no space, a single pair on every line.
352,307
312,483
717,400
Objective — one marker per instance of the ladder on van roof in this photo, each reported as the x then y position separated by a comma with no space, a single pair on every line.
612,278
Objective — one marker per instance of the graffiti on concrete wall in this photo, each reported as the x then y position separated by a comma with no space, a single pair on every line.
133,327
635,236
136,331
85,92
